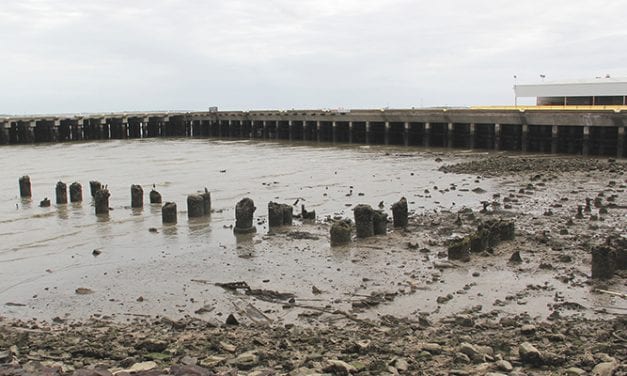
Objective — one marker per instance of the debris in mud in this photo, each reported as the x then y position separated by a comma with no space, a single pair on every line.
302,235
83,291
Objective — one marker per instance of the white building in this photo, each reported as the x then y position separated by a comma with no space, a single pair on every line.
604,91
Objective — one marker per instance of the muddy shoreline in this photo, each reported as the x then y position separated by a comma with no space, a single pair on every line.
402,305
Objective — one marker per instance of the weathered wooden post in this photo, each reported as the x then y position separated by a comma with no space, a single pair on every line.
399,213
101,201
94,186
76,192
155,197
45,203
137,196
363,220
61,193
168,213
275,214
380,222
244,211
25,190
195,206
340,233
603,262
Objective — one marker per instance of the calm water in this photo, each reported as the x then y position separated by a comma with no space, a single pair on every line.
45,253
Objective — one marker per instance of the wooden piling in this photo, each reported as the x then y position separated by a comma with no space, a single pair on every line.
61,193
168,213
364,220
137,196
76,192
101,201
94,186
195,206
340,233
399,213
244,211
25,189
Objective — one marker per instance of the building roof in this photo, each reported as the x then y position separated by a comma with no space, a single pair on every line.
581,88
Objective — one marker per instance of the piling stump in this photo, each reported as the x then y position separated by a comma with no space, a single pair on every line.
168,213
155,197
244,211
380,222
45,203
340,233
195,206
288,214
61,193
275,214
137,196
399,213
101,201
206,198
76,192
94,186
307,215
363,220
459,249
603,262
25,190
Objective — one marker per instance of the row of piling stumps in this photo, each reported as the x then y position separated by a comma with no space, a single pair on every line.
489,234
368,222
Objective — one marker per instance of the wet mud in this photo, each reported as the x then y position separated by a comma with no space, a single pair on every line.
520,300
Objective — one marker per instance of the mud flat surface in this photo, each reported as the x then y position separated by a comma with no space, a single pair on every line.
393,304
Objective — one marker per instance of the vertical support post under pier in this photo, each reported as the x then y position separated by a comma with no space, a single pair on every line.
497,136
426,139
620,142
367,133
277,125
386,134
290,130
406,134
318,130
524,135
554,139
334,131
4,133
586,141
265,130
471,130
350,132
449,135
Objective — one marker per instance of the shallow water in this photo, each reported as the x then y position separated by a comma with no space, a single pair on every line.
46,253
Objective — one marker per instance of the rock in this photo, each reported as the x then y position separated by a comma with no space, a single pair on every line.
574,371
515,258
83,291
401,365
245,361
231,320
604,369
189,370
471,351
528,329
143,366
212,361
529,354
338,367
504,365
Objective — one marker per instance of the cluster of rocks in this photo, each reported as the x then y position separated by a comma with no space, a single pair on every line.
468,344
505,165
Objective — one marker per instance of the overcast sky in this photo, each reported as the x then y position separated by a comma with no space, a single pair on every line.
113,55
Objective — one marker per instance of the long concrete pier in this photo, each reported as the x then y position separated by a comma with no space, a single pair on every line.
568,130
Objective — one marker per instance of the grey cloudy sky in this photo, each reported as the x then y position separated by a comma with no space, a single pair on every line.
114,55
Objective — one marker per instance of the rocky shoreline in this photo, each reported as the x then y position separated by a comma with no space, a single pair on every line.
564,323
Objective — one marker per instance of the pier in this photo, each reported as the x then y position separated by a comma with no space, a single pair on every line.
579,130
